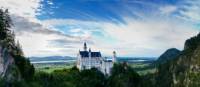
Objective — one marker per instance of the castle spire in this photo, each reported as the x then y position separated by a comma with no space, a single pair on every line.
89,49
85,46
90,55
114,56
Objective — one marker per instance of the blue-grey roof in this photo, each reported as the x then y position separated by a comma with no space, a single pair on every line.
93,54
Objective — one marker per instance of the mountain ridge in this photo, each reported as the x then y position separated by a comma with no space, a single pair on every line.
168,55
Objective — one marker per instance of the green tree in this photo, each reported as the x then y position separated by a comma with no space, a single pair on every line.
26,69
5,23
123,75
91,78
7,41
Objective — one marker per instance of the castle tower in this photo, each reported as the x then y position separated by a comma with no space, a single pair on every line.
85,47
90,60
114,57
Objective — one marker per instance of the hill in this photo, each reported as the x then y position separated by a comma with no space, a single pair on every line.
51,59
168,55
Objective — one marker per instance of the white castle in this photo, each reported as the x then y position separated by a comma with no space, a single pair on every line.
87,59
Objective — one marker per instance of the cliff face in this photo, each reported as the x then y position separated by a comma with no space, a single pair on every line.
5,61
1,62
184,70
13,65
8,69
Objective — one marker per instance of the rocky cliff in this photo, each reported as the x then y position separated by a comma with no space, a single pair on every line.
184,70
8,69
10,51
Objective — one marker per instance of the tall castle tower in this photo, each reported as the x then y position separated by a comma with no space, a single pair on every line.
114,57
85,47
90,61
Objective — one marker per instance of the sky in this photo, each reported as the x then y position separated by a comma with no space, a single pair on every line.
139,28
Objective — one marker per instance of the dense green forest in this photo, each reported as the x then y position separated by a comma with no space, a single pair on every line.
182,69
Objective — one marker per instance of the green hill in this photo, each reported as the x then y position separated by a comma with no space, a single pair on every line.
168,55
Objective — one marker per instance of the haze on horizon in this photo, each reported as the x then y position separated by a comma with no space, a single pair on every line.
130,27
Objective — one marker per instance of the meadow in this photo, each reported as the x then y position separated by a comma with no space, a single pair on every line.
142,68
50,67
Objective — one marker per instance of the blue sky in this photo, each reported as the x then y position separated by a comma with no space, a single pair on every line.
130,27
101,10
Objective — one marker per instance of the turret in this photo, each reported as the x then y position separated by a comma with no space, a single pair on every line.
90,52
85,47
114,57
90,55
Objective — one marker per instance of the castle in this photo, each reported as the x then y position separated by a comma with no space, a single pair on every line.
87,59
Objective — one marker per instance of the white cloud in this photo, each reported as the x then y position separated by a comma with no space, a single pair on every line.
36,44
35,36
190,10
75,30
38,40
24,8
167,10
50,2
149,37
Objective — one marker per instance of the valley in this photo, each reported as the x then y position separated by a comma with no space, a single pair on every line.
143,65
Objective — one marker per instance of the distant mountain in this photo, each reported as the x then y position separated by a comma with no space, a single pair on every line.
168,55
51,59
137,59
184,70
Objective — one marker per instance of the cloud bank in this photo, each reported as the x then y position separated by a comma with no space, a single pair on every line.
137,37
128,30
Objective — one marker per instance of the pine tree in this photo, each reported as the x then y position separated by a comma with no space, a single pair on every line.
5,24
13,48
18,50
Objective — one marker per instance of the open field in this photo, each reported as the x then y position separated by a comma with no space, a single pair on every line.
143,68
51,67
141,65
